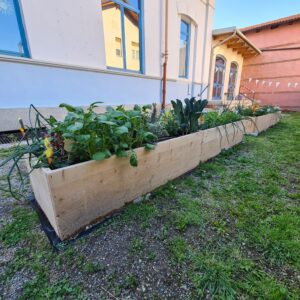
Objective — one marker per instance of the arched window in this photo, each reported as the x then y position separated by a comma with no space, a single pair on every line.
12,35
232,81
219,78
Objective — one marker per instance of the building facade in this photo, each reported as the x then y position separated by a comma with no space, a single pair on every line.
229,49
78,52
274,76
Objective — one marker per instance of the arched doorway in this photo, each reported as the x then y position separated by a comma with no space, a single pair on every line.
232,81
219,78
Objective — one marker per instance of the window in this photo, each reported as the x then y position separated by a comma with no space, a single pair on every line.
184,49
122,32
232,81
135,51
12,36
219,78
119,51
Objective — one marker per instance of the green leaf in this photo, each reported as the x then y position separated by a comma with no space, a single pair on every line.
73,117
71,108
108,123
121,130
94,104
149,136
128,125
137,108
124,145
68,135
82,138
107,154
122,153
75,127
146,107
99,156
52,120
149,147
133,159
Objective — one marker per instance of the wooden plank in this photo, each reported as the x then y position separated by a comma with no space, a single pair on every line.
43,194
76,196
261,123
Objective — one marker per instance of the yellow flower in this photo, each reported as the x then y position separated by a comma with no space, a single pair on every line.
49,151
201,119
22,130
255,107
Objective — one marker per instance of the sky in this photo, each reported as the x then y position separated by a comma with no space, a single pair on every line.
243,13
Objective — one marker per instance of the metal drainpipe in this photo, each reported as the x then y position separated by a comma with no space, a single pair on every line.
164,88
204,50
194,60
212,55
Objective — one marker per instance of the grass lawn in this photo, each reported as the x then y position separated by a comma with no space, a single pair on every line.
228,230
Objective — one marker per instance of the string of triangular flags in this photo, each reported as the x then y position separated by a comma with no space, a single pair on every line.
277,83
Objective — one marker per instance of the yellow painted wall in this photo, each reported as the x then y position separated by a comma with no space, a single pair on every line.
230,56
113,38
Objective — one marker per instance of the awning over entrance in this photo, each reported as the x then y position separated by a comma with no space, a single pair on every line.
236,40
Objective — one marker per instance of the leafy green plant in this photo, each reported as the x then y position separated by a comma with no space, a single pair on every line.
188,116
184,119
266,109
170,124
89,135
256,110
81,136
214,119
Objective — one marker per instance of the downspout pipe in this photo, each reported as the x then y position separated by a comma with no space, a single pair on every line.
204,51
165,64
212,54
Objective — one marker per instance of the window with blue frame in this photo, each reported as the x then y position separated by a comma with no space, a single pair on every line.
184,49
122,22
12,35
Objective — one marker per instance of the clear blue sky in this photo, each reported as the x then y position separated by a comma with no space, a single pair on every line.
242,13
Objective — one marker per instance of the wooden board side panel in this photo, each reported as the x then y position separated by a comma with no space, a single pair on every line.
42,193
262,123
94,189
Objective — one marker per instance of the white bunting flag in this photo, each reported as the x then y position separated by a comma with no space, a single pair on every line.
263,82
270,83
250,79
257,81
277,84
289,84
296,84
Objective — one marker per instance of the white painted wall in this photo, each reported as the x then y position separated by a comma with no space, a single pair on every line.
67,64
65,31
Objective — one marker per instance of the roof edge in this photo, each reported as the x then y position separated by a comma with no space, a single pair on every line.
276,22
232,30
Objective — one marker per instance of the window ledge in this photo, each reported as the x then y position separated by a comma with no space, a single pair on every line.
43,63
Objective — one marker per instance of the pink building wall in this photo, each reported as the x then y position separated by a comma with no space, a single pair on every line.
275,74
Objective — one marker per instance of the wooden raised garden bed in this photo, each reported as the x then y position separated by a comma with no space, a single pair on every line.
261,123
77,196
